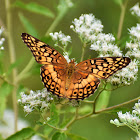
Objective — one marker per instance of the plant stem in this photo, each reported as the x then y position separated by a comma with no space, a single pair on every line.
12,59
25,70
123,9
116,106
56,21
83,52
7,81
73,120
98,112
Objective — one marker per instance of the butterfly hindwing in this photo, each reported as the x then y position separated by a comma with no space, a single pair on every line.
103,67
82,85
54,79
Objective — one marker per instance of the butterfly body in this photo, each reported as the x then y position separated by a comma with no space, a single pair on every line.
71,80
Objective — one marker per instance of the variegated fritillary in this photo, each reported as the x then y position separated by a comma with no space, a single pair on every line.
68,79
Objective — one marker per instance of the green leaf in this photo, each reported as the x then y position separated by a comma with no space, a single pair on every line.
47,130
85,109
28,26
65,121
35,8
59,136
103,99
119,2
75,137
54,118
24,134
5,90
1,138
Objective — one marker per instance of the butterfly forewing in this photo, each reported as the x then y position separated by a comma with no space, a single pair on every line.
103,67
42,52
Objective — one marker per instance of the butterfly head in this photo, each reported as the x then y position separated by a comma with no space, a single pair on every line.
72,61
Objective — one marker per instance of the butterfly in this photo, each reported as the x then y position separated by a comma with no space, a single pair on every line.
71,80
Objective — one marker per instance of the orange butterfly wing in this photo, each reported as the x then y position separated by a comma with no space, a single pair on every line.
82,85
85,79
43,53
53,72
103,67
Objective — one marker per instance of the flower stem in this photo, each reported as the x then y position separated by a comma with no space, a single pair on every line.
83,52
25,70
12,59
56,21
123,9
116,106
74,119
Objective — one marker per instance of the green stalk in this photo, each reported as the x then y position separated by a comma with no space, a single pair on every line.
56,21
12,59
83,52
123,9
24,72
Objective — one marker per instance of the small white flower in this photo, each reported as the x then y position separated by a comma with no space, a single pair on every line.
48,118
40,99
28,109
60,37
66,56
135,31
135,10
128,119
86,26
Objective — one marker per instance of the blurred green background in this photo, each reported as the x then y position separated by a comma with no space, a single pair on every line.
109,13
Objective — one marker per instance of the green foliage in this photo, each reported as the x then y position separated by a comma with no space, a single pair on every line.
35,8
103,99
27,25
5,90
23,134
59,136
75,137
47,130
13,65
54,118
119,2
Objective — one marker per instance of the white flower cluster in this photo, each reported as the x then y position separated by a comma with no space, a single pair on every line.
87,26
135,10
38,99
126,76
60,37
134,45
1,39
128,119
90,30
104,45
